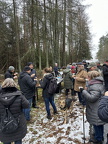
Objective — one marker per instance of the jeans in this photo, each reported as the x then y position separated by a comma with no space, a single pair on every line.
49,100
16,142
27,111
98,132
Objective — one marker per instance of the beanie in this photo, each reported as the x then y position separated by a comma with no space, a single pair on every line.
27,68
11,68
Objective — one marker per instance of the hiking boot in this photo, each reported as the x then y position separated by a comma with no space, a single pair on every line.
95,141
49,117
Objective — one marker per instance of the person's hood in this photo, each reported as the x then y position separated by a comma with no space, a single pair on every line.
105,65
23,74
66,71
97,80
48,76
7,98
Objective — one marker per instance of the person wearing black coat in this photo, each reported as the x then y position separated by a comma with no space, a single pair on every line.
33,76
10,73
48,98
105,74
27,86
103,109
7,94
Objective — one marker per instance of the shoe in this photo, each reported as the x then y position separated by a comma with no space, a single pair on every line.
36,107
55,112
95,141
49,117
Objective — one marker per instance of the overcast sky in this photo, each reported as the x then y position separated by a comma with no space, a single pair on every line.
98,15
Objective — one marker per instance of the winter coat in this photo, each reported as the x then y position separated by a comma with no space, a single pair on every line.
93,94
45,83
68,84
105,72
16,110
103,109
27,85
81,80
9,74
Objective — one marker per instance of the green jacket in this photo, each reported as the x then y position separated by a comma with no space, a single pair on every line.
68,84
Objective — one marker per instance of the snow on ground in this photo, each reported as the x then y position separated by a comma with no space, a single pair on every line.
54,131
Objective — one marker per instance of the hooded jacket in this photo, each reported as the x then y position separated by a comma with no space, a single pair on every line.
7,96
45,83
93,94
68,84
27,85
103,109
9,74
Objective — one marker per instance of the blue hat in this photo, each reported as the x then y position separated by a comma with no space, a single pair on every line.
79,63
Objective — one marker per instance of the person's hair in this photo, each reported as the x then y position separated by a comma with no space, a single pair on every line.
93,74
11,68
47,70
9,82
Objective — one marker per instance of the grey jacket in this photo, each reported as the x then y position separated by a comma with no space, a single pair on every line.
93,95
68,84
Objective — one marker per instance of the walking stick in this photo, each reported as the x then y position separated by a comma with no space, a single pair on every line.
83,126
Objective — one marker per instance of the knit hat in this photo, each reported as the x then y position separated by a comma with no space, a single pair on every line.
29,63
27,68
73,67
11,68
80,63
92,64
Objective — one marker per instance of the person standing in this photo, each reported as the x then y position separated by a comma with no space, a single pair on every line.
68,84
10,73
33,76
8,93
48,98
80,81
27,86
93,95
105,74
56,69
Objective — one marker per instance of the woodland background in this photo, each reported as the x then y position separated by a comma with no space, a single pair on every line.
44,32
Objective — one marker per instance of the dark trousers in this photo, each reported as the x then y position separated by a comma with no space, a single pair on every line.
67,90
34,101
16,142
48,101
99,130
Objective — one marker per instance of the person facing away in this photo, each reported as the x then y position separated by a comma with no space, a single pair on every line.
27,86
8,92
10,73
48,98
92,95
68,84
33,76
103,109
105,74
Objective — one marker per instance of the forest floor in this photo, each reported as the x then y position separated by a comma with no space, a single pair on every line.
54,131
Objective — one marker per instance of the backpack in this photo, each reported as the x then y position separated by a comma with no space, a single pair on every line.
52,86
8,124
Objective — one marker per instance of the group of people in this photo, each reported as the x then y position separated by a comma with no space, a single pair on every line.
24,98
90,82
